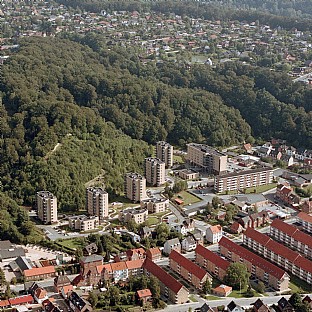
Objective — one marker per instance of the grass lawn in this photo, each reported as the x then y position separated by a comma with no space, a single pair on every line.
152,221
187,198
72,243
298,285
192,298
261,189
209,297
178,159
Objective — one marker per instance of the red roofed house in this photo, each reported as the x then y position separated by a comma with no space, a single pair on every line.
4,304
190,271
36,274
305,220
63,285
169,286
144,295
214,233
89,270
291,236
213,263
236,228
257,266
40,295
287,258
27,299
222,290
153,254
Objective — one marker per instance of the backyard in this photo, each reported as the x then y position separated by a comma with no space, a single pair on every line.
188,198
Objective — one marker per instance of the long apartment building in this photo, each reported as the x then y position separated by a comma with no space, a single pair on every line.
244,179
256,265
207,158
47,207
305,220
277,253
169,286
135,187
155,205
155,171
211,262
164,151
97,202
291,236
190,271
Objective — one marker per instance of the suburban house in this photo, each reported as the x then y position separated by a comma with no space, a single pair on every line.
256,265
259,306
307,207
144,295
211,262
284,306
153,254
90,249
222,290
78,304
63,285
292,237
188,243
234,307
169,286
214,233
287,195
190,271
277,253
236,228
172,244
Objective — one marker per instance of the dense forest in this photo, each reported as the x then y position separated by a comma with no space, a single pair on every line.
287,14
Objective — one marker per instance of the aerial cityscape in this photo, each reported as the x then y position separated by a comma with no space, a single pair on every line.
156,155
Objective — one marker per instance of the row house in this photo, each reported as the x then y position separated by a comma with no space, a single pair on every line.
254,220
211,262
279,254
131,254
305,220
190,271
256,265
169,286
292,237
307,206
36,274
241,180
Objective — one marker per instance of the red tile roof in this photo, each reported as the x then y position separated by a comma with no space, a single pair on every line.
134,264
4,303
118,266
252,258
212,257
187,264
143,293
303,238
107,267
165,278
21,300
39,271
257,236
305,217
284,227
154,251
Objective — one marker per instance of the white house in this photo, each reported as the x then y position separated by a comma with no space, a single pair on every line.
172,244
188,243
214,233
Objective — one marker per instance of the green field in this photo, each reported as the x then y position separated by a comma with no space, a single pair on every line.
187,198
72,243
152,221
261,189
178,159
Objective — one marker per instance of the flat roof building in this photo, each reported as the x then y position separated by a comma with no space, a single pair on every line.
155,171
164,151
47,207
97,202
135,187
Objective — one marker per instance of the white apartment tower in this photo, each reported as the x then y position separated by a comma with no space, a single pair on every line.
97,202
47,207
164,151
135,187
155,171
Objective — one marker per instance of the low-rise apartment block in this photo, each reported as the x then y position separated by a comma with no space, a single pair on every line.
36,274
155,205
164,151
138,215
292,237
256,265
135,187
214,233
305,220
155,171
244,179
186,174
97,202
207,158
47,207
190,271
211,262
83,223
279,254
169,286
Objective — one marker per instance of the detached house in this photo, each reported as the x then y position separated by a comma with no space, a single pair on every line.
214,233
188,243
172,244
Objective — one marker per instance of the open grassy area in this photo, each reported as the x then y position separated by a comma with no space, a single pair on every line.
152,221
187,198
178,159
298,285
261,189
192,298
72,243
209,297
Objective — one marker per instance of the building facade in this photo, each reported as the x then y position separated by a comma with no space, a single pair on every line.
207,158
83,223
305,220
241,180
256,265
214,233
155,171
155,205
191,272
97,202
47,207
138,215
164,151
277,253
135,187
